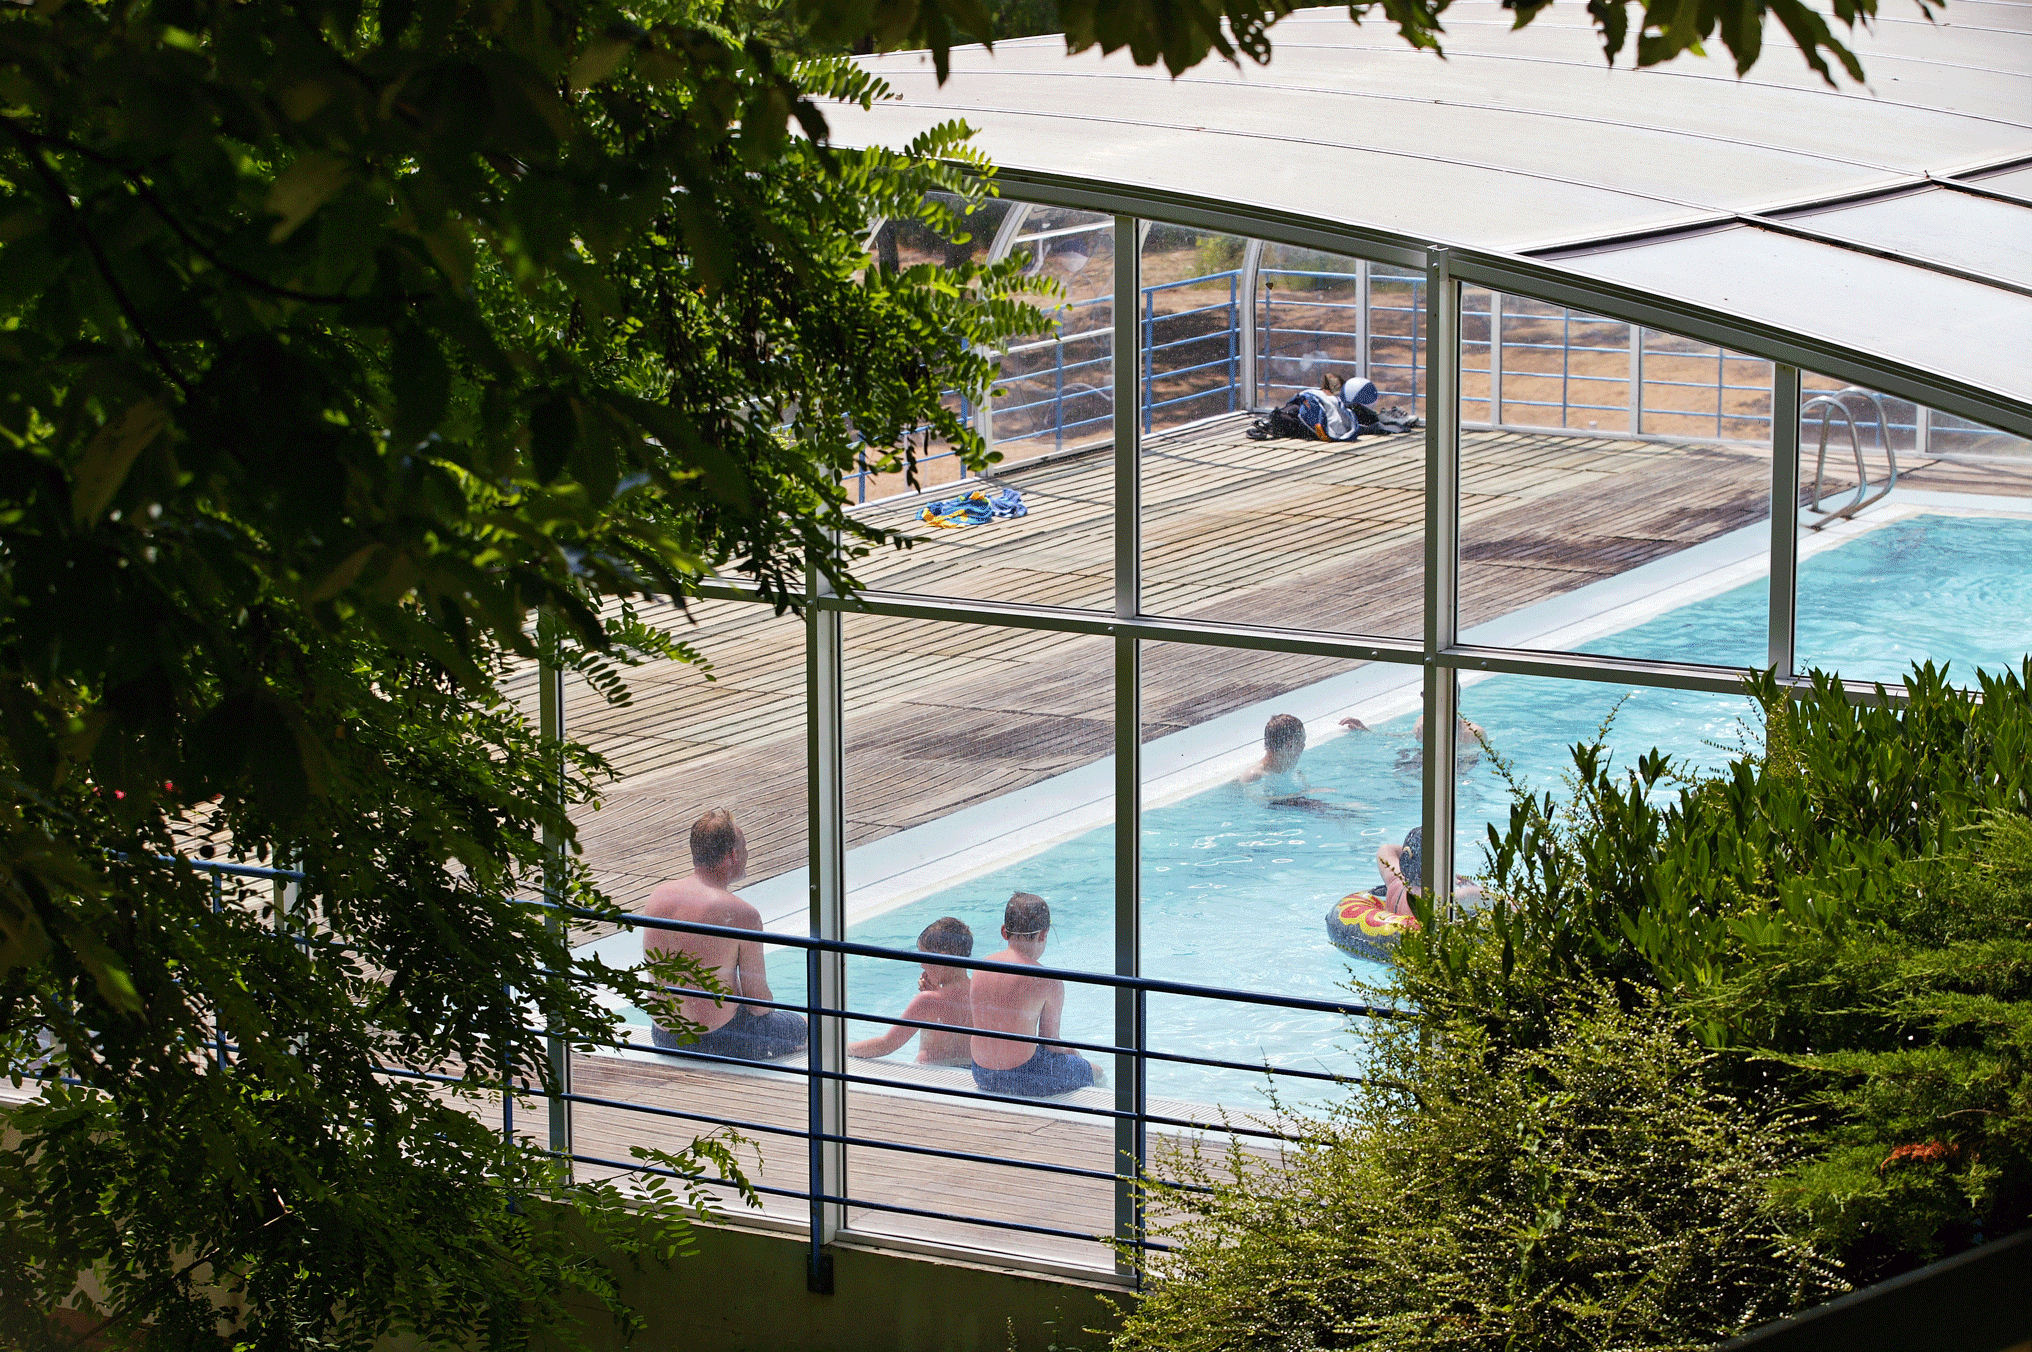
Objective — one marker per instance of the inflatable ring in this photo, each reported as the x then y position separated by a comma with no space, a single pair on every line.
1360,924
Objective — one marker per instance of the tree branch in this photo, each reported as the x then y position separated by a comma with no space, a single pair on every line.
62,193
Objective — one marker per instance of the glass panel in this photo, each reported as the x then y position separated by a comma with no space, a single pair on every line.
977,767
1695,389
1058,392
1052,422
1192,325
1929,569
1531,724
1291,532
1397,335
1261,812
1561,368
684,745
1582,542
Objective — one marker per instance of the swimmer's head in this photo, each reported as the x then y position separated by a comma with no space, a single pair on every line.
947,934
1283,738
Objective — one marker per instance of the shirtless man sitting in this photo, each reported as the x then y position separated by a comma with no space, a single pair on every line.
719,859
1009,1002
944,995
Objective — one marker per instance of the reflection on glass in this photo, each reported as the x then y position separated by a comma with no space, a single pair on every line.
1573,542
906,243
1058,392
1052,424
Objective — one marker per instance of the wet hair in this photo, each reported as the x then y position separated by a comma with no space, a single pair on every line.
1408,863
1026,916
1282,731
949,936
714,838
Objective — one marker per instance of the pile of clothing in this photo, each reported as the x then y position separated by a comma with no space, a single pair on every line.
1338,411
975,509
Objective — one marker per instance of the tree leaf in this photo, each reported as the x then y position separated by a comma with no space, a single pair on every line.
109,455
301,189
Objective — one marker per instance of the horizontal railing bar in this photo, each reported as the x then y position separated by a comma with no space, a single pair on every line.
982,965
654,1110
933,1152
637,1167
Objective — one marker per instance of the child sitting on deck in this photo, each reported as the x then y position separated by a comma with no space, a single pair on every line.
944,995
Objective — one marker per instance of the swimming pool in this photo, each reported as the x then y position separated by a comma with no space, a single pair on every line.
1234,890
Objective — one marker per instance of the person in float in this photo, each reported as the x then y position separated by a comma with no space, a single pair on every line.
719,859
944,996
1029,1006
1403,870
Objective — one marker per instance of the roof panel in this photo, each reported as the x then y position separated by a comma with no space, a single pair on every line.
1908,315
2016,182
1941,225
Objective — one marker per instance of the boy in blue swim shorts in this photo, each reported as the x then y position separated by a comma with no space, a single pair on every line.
1028,1006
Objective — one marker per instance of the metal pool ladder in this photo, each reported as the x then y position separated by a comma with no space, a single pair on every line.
1838,402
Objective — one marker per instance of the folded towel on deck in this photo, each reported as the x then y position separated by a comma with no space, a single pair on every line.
976,508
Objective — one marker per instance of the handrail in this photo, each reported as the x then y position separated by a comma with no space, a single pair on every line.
1837,402
1135,983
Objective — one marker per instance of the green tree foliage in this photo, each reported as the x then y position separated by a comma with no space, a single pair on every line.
335,343
1848,914
1183,33
1589,1193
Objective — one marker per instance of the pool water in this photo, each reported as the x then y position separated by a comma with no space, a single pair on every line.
1235,891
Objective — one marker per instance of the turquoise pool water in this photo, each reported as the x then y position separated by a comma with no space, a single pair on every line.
1234,890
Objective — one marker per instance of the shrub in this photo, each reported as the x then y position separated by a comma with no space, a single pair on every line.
1590,1193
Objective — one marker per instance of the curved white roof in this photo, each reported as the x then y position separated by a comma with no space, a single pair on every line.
1894,223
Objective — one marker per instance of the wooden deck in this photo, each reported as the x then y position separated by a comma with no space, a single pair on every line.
1315,536
1047,1133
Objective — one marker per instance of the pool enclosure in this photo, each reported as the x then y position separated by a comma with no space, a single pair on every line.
1715,375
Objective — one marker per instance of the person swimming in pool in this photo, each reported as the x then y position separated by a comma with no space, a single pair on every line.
1469,739
1277,780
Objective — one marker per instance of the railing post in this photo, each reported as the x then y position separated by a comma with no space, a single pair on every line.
1780,653
1234,333
1495,357
1442,563
1129,1142
1362,318
550,728
1636,380
1252,263
825,974
1149,354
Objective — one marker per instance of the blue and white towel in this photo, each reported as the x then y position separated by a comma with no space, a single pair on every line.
975,509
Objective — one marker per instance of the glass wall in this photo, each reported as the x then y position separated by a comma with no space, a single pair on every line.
729,734
1276,774
976,768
